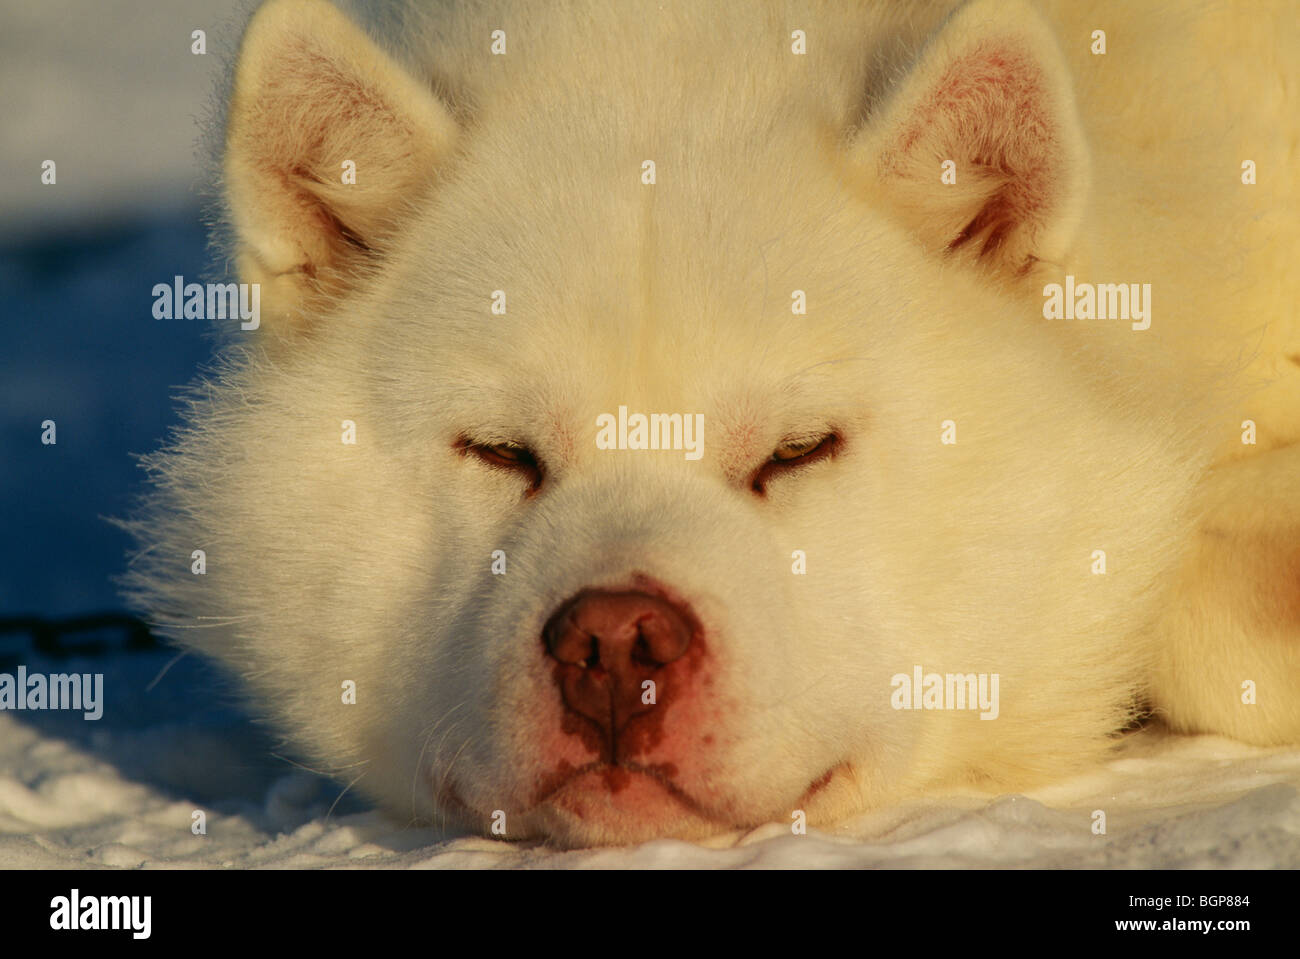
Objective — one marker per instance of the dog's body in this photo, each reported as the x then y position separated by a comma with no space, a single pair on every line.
550,630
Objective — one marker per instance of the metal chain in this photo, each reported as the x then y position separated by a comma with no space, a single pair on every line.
92,634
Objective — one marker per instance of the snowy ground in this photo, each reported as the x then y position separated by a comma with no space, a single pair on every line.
120,792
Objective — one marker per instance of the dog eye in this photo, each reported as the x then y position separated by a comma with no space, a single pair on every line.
798,449
794,453
513,457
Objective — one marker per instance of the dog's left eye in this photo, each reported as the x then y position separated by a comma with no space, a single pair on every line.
507,456
795,453
798,449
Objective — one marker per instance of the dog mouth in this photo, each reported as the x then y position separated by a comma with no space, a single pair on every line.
615,779
824,780
646,791
612,779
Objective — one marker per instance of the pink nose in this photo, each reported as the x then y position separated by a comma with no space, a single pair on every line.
607,645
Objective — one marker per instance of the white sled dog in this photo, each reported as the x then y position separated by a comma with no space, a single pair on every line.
664,418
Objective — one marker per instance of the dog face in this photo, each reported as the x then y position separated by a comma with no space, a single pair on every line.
442,565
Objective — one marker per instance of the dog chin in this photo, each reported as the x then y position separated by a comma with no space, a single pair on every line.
618,805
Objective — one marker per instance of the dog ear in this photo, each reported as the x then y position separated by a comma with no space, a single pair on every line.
313,96
989,92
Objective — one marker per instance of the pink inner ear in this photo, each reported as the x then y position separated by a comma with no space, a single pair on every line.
994,95
989,111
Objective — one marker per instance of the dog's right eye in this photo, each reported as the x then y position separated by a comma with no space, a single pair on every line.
514,457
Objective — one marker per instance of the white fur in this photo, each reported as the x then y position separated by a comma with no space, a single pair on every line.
371,562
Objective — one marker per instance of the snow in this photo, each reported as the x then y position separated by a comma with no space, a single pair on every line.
120,792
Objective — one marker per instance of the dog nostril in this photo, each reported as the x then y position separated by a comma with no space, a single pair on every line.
612,642
570,644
